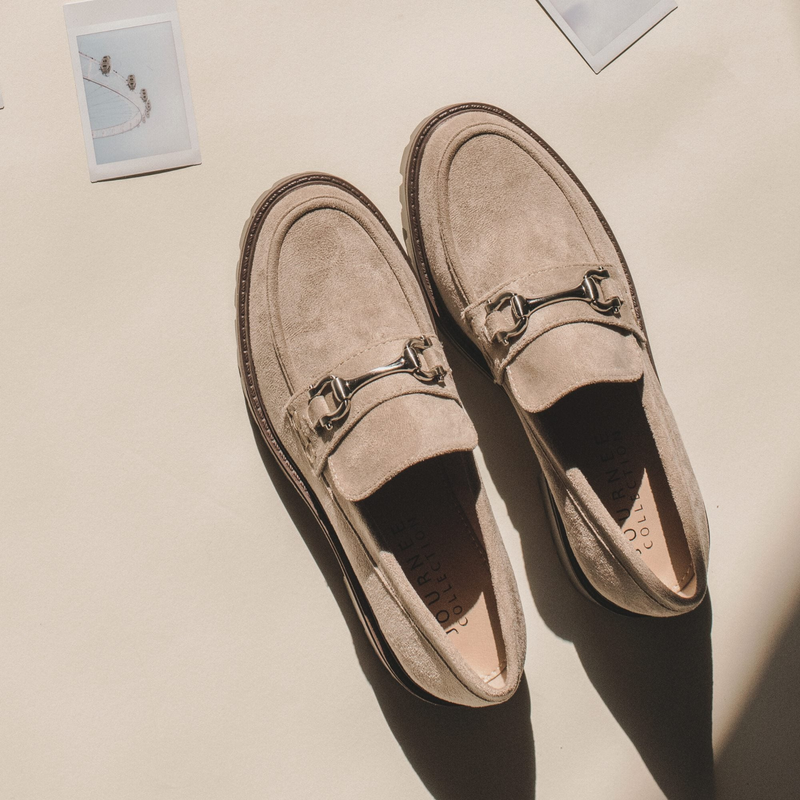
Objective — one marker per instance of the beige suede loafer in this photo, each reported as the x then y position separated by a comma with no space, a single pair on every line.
349,385
523,271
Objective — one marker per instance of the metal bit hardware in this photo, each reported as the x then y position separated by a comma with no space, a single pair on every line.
341,390
522,307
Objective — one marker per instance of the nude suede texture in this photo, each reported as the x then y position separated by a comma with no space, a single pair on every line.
497,212
331,293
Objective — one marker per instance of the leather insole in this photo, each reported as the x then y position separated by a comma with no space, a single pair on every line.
602,430
426,518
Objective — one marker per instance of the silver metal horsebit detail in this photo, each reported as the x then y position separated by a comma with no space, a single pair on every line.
523,307
342,389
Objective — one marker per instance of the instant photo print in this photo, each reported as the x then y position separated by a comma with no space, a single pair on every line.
600,30
133,87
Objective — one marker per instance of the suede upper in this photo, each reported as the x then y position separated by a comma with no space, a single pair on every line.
331,297
499,215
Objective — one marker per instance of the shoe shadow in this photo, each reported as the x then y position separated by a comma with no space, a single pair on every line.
759,758
654,675
458,753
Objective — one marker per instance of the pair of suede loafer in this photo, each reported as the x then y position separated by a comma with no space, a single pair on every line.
346,377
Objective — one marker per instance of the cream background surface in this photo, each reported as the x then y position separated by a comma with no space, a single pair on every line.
172,624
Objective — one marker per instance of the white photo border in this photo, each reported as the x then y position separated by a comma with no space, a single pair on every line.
618,46
77,17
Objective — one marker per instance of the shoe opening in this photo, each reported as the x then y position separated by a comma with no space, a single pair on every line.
426,518
602,431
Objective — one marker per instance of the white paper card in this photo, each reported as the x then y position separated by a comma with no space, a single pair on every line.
133,87
602,29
